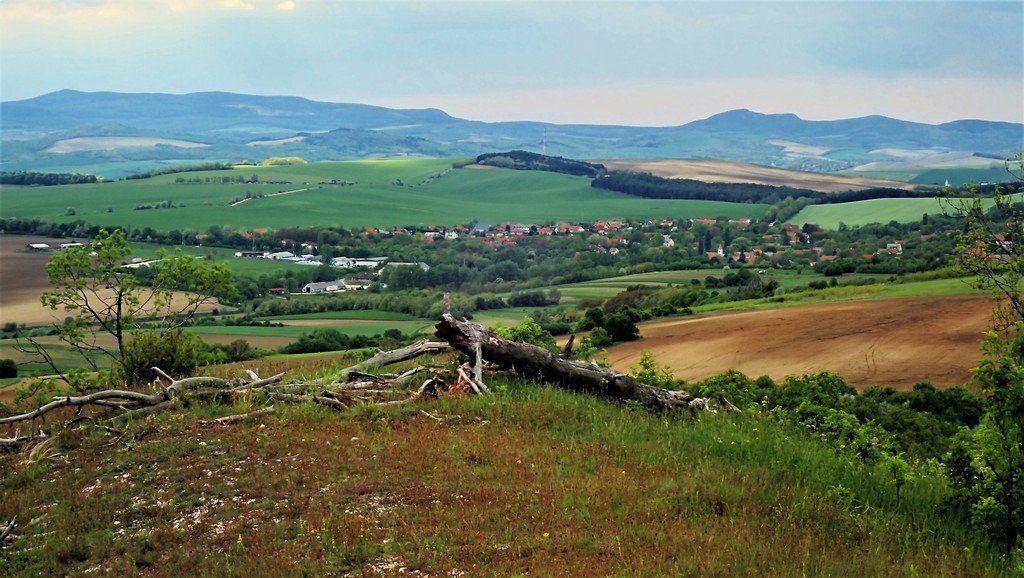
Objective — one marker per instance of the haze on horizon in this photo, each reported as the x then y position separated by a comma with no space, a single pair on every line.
599,62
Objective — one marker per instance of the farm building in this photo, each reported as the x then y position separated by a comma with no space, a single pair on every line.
421,265
325,287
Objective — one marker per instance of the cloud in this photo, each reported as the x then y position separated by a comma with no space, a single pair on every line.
237,5
119,12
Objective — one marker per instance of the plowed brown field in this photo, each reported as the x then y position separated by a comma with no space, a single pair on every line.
23,279
890,342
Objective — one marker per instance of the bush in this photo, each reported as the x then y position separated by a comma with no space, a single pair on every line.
600,338
620,327
176,352
528,331
8,368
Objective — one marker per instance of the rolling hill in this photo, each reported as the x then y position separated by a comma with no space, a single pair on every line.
381,193
235,127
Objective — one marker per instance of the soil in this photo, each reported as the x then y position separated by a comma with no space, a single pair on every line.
23,278
890,342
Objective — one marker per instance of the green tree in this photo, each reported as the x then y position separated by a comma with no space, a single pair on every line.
528,331
8,368
106,302
986,464
621,327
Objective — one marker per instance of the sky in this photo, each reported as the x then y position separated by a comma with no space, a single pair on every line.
599,62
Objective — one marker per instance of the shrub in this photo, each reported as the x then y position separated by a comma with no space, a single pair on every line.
528,331
620,327
176,352
8,368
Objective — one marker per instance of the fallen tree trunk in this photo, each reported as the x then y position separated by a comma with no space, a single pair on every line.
383,358
536,363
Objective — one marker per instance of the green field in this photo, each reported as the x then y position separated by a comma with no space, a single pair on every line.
296,331
389,193
863,212
859,213
356,315
605,288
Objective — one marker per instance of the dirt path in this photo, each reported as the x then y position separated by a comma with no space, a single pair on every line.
240,201
890,342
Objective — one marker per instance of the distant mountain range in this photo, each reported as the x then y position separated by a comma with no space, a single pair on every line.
116,133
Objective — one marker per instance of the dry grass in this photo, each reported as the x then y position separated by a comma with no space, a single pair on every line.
106,143
527,482
734,172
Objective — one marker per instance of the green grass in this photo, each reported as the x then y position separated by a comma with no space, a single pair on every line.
504,317
64,356
864,212
859,213
460,196
959,176
295,331
356,315
530,481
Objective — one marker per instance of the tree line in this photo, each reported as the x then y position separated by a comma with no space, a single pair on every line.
527,161
32,178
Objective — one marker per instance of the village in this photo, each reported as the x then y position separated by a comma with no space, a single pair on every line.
713,242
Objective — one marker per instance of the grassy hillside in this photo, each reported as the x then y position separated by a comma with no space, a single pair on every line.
864,212
859,213
386,193
528,481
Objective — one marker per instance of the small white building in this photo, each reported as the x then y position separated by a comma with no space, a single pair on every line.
325,287
343,262
420,264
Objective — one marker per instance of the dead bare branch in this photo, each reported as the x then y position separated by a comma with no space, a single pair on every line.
383,358
227,420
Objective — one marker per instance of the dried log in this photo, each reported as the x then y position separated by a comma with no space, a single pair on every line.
6,530
383,358
139,403
227,420
466,381
536,363
81,400
257,382
430,388
19,441
331,402
144,411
